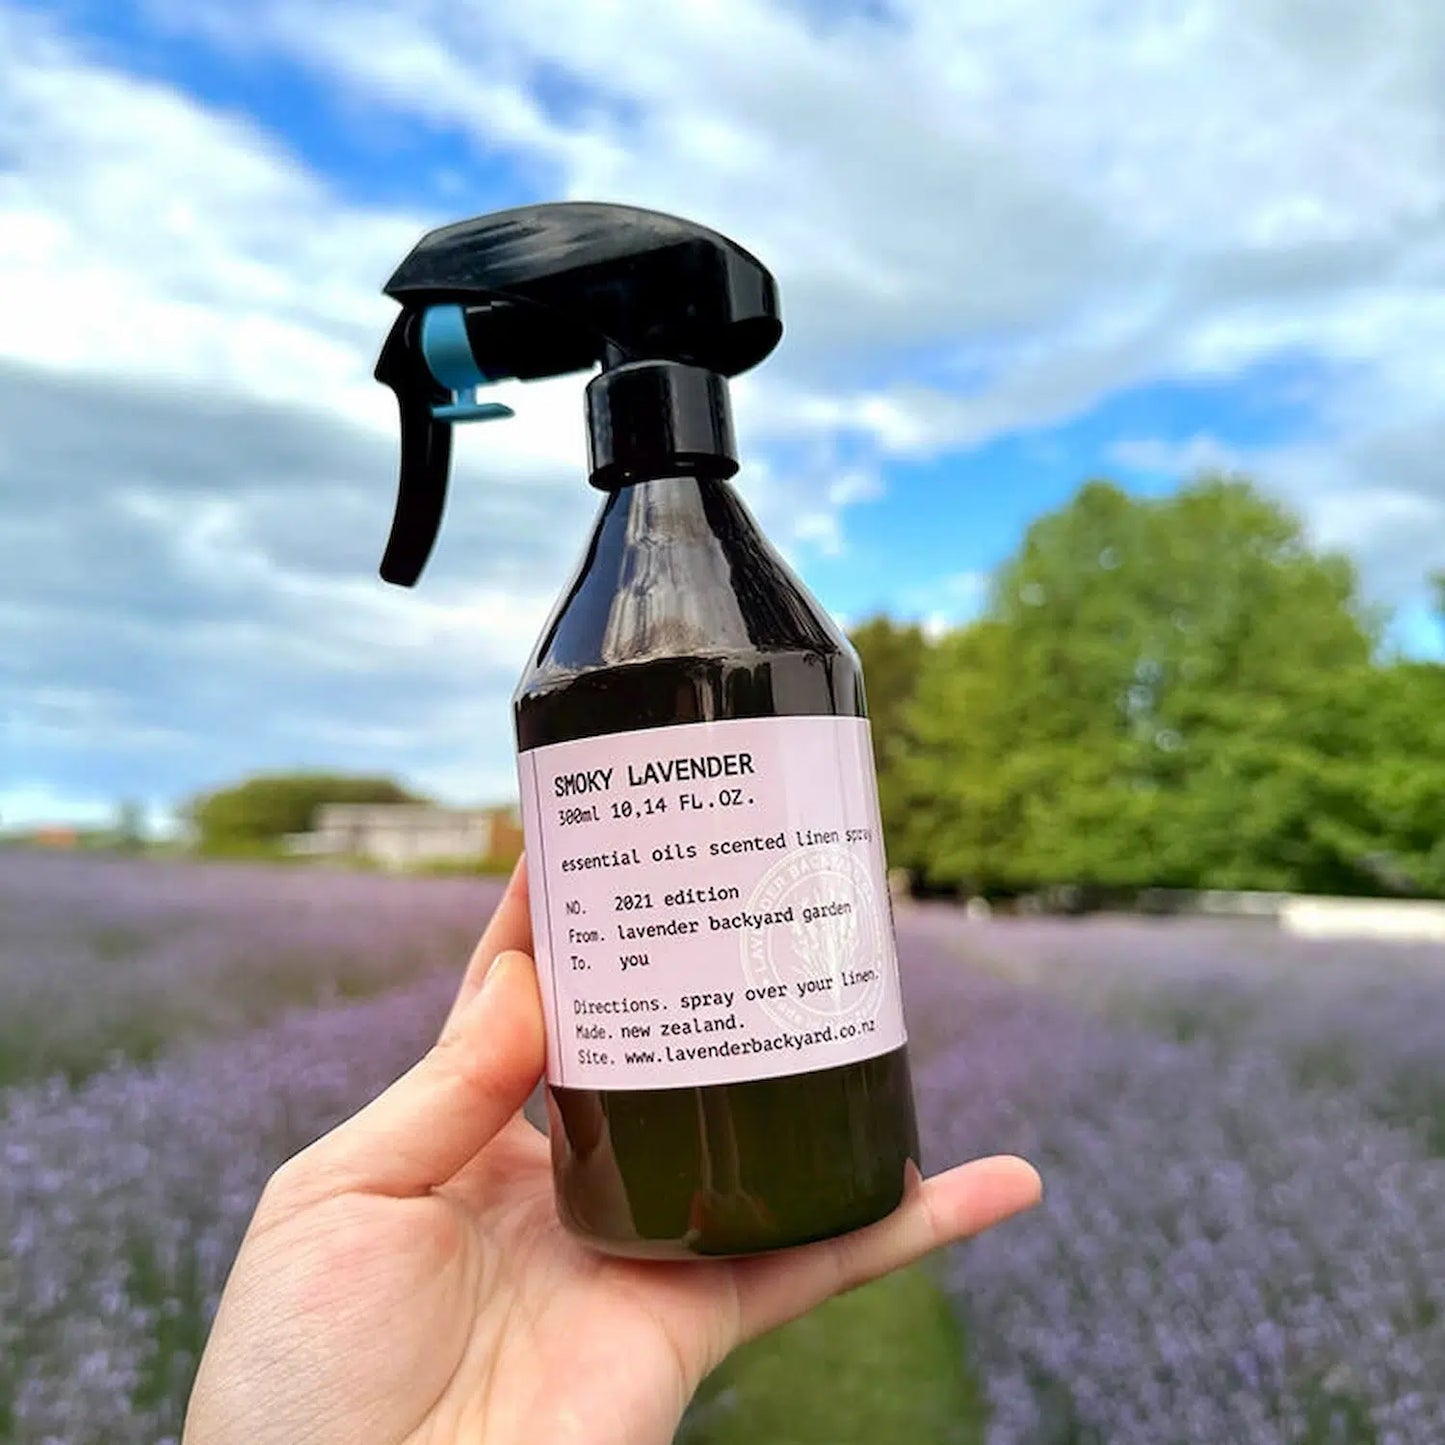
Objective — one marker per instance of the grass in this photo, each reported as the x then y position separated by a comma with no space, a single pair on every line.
885,1363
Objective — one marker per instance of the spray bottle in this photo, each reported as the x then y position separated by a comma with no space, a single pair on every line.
727,1069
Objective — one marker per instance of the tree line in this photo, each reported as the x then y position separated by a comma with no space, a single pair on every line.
1174,692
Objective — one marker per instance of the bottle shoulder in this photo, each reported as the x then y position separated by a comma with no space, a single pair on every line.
664,692
681,609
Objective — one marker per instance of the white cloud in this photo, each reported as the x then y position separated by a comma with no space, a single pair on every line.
1377,494
984,220
1060,200
957,167
1359,499
1346,519
1179,460
147,237
947,603
36,804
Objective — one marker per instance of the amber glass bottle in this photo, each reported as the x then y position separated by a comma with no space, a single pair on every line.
681,612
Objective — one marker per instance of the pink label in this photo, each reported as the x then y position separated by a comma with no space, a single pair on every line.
709,903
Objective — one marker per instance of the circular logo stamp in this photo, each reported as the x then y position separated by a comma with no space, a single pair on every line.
824,953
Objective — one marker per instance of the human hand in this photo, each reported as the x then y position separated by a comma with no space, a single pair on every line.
406,1278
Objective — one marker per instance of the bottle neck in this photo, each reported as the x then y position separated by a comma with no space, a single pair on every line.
653,419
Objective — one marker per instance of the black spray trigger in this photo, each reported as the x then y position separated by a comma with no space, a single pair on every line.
426,446
667,308
428,362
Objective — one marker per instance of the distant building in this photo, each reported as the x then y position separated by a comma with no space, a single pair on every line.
403,835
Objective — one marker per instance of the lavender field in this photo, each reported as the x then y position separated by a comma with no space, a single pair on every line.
1243,1238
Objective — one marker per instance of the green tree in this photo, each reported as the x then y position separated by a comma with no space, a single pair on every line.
1135,707
255,815
1386,770
130,827
892,656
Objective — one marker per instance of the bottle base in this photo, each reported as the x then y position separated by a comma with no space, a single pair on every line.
728,1170
704,1247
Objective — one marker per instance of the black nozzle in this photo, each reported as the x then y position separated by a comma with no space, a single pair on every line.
658,418
548,290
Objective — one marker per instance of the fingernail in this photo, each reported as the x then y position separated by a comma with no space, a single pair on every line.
1038,1181
492,972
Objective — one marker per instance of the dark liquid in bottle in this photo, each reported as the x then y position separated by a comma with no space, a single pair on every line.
682,612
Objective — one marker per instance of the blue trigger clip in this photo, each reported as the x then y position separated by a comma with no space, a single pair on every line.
448,355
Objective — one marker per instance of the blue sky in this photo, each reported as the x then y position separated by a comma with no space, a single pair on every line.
1017,246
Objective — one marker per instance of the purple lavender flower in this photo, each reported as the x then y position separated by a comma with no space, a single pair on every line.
103,959
124,1200
1222,1254
1243,1237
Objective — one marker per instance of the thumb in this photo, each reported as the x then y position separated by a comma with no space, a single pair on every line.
452,1104
963,1201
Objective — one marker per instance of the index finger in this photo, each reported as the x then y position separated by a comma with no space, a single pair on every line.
510,927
